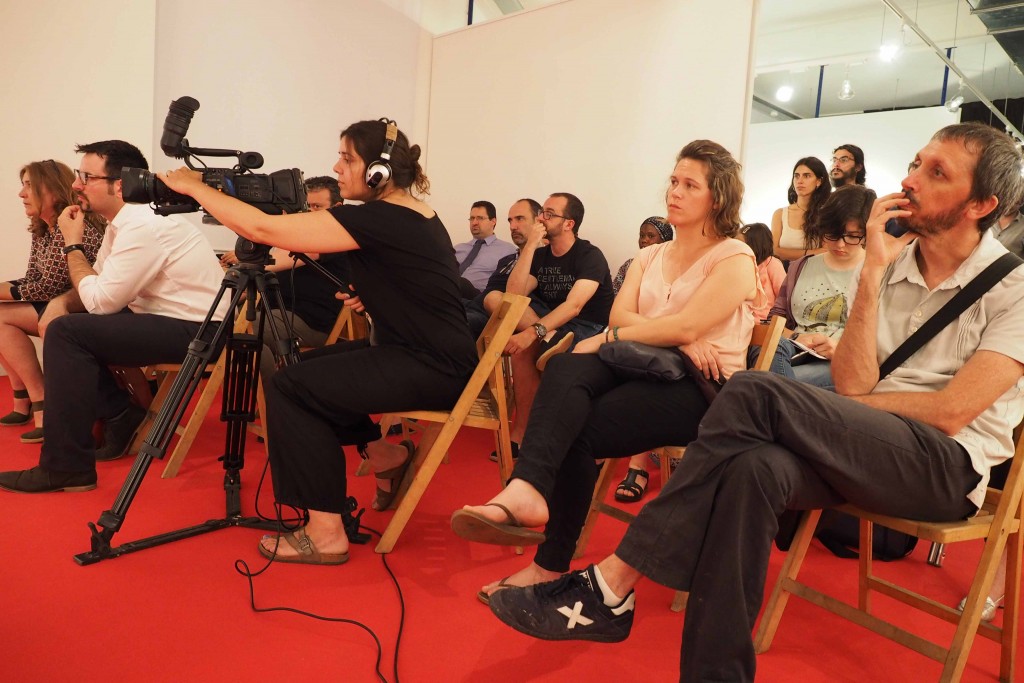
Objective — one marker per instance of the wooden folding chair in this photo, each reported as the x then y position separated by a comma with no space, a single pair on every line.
998,523
165,374
766,336
482,404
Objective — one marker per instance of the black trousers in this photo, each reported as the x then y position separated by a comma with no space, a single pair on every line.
79,386
767,444
323,403
583,412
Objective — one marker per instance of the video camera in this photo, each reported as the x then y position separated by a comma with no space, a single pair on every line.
278,192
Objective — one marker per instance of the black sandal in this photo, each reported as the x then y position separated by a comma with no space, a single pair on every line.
628,490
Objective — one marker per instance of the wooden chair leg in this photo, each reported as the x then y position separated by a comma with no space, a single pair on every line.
967,626
790,568
679,601
426,461
163,389
195,420
604,482
1011,610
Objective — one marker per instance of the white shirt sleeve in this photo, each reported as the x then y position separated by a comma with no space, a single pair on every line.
134,260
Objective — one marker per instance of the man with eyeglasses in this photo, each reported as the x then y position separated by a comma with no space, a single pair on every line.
847,166
311,306
521,216
570,285
917,443
153,283
479,256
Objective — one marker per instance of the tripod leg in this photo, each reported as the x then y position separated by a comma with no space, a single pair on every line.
155,446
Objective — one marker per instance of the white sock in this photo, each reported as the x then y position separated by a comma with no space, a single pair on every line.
610,598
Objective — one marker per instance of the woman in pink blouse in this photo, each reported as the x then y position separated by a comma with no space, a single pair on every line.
45,192
697,293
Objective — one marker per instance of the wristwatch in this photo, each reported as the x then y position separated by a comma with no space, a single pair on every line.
541,330
74,247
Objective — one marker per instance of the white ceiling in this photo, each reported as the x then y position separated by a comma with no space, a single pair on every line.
798,37
795,39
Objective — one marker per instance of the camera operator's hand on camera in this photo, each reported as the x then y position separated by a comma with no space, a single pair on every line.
182,180
71,224
228,258
351,300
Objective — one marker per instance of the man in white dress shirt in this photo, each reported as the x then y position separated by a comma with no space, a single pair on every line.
154,281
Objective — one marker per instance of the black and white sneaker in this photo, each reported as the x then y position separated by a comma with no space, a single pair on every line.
568,608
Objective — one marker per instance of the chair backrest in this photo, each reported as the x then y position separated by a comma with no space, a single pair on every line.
767,336
500,328
348,325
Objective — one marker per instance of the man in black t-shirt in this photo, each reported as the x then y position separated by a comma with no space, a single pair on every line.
571,290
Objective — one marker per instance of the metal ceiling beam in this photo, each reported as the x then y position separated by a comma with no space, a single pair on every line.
941,54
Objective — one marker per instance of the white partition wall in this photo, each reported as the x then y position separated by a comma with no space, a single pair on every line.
593,97
284,78
74,72
889,139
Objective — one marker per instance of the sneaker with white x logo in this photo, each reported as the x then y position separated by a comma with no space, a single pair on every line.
568,608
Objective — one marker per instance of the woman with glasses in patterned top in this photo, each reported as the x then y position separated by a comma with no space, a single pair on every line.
45,192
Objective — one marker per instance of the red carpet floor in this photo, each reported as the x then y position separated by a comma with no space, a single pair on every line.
181,612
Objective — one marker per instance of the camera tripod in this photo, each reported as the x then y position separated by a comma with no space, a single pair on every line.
248,278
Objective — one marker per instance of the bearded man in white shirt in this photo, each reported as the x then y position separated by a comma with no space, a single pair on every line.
153,283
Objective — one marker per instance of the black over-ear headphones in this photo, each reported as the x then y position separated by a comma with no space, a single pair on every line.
380,170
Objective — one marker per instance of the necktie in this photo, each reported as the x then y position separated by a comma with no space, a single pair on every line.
471,256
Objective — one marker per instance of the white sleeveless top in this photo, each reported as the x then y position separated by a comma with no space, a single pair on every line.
791,238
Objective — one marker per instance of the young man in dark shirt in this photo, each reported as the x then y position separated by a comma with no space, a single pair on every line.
571,287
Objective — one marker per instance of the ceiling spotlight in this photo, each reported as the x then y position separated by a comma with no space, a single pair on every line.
784,93
953,105
887,53
846,89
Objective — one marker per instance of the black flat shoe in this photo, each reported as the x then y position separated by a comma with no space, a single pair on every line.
629,489
39,480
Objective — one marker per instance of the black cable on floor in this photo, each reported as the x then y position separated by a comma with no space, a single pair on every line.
243,568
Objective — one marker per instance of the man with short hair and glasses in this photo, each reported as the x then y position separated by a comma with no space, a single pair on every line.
847,166
571,287
142,303
479,256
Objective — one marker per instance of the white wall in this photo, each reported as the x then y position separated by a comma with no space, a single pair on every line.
284,78
889,139
73,73
592,97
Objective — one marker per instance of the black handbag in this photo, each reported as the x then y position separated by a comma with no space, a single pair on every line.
635,360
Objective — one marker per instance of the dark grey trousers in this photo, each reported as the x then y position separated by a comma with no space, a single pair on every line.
79,386
767,444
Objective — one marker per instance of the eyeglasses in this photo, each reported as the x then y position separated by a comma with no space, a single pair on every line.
84,177
846,237
841,160
548,214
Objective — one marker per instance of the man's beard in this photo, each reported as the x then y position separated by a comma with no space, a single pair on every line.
847,178
934,224
83,202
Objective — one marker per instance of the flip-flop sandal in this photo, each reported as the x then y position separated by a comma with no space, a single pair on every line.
473,526
486,597
631,491
307,552
385,500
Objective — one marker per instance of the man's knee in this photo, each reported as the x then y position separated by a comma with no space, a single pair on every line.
491,301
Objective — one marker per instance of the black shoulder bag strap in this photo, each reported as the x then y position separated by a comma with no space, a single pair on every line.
973,291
